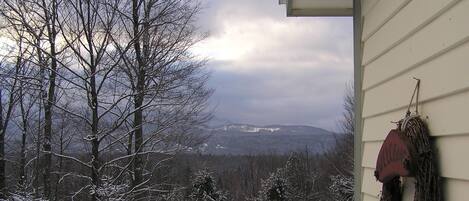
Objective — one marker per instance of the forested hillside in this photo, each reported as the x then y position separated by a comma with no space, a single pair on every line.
299,176
244,139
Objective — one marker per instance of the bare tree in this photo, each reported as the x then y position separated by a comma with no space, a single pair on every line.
28,99
39,19
341,157
345,146
11,88
122,68
348,115
87,28
167,82
8,96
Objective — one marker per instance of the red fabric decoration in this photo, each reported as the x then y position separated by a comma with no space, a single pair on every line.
394,158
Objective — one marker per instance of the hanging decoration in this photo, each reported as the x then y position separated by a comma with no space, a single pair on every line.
408,151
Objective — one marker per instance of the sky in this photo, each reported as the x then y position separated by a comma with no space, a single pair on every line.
269,69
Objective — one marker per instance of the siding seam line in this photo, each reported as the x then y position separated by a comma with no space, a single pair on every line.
444,177
364,192
369,194
386,20
432,136
457,179
444,95
369,168
371,8
412,32
420,63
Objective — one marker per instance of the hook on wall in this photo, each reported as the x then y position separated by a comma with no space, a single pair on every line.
416,95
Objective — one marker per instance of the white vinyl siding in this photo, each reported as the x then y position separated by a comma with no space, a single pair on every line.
427,39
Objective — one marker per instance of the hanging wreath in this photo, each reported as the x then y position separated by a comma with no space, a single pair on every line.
409,151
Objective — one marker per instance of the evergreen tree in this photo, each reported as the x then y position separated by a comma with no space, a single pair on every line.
301,178
341,188
274,188
204,188
174,195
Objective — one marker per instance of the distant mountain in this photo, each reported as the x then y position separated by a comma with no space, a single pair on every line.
241,139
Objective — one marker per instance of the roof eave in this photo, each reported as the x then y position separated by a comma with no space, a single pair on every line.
343,10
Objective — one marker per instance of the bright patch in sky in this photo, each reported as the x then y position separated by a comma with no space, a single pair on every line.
270,69
240,40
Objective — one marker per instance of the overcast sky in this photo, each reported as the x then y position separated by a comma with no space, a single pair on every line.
270,69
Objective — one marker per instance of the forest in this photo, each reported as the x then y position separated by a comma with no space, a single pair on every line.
300,176
100,99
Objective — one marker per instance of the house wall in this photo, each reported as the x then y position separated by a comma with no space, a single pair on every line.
427,39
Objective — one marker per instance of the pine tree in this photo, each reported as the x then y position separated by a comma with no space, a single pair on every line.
110,191
341,188
273,188
301,179
204,188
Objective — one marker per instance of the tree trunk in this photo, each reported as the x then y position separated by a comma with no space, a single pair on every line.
48,131
142,49
42,96
95,121
37,169
60,168
138,97
95,144
48,105
4,125
138,133
2,163
24,121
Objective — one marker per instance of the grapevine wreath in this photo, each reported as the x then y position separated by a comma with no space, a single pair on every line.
408,151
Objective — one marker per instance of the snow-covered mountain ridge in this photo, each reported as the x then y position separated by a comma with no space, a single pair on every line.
241,139
269,129
245,128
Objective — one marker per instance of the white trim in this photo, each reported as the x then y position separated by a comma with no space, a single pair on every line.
319,8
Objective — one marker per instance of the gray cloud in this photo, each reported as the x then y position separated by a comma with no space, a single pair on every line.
269,69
